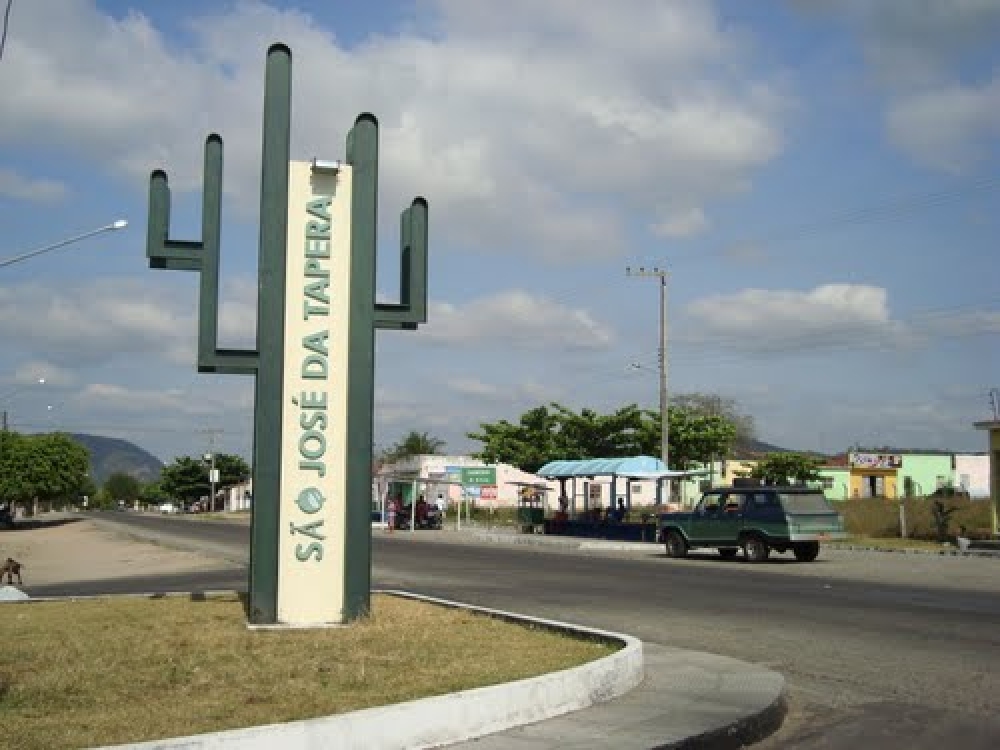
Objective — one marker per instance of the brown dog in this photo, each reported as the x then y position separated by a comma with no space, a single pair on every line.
11,568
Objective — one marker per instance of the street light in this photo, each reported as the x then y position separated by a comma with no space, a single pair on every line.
115,225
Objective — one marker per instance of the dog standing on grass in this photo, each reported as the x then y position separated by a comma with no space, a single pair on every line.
11,568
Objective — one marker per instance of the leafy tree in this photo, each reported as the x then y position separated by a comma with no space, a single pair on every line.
232,469
122,488
784,468
529,445
152,493
415,444
697,438
50,468
188,479
713,404
185,479
544,435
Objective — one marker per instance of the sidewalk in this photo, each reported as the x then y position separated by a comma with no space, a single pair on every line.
689,699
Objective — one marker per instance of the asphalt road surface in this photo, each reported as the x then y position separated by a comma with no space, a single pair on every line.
879,650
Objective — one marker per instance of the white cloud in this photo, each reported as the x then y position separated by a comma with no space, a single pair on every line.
950,127
33,189
472,387
516,319
769,320
936,59
683,223
122,316
518,125
95,321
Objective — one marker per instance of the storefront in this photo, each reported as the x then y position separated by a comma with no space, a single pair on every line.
874,474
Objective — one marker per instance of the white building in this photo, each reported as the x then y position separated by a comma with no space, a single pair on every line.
972,473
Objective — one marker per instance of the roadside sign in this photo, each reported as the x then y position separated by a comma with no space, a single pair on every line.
479,475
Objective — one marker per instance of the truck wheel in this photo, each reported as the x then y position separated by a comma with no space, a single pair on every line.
806,551
676,546
728,552
755,549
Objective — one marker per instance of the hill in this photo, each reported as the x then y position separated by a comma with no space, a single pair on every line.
753,448
111,455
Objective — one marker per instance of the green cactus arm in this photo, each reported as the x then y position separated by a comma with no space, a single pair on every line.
201,256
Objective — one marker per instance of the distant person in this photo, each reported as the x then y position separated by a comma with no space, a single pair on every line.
441,505
393,509
619,513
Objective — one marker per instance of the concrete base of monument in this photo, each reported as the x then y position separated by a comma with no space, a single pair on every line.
296,626
451,718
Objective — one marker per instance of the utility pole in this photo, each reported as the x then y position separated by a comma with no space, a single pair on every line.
213,476
661,274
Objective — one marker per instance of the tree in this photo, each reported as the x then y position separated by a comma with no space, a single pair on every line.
122,488
152,493
50,468
785,468
415,444
697,438
186,479
544,435
712,404
529,445
232,469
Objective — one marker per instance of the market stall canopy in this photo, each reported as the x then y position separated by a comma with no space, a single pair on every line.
633,467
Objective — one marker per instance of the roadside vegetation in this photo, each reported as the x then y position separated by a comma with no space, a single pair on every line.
879,518
115,670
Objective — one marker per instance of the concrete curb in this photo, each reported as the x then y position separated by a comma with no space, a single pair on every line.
470,713
616,546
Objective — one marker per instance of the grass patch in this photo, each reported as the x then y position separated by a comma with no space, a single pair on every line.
116,670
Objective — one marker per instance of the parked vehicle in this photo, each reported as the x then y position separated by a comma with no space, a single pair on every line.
430,518
6,518
168,508
755,519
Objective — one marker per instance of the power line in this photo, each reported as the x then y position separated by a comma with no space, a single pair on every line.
6,22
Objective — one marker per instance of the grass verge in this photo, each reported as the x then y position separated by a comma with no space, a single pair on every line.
97,672
888,543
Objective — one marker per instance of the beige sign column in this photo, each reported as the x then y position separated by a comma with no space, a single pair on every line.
310,588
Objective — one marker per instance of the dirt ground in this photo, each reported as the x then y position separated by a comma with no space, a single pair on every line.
63,549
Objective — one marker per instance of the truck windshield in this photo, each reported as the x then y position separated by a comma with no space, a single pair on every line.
813,502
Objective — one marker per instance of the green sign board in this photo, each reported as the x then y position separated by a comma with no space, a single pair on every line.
479,475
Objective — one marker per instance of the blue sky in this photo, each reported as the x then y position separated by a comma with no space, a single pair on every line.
820,179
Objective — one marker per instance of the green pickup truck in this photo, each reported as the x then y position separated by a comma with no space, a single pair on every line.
756,519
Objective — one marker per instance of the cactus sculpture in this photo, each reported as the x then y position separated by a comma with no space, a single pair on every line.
266,363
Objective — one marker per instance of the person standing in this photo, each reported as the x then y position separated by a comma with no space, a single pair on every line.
392,510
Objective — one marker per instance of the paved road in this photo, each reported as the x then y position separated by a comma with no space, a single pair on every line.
880,650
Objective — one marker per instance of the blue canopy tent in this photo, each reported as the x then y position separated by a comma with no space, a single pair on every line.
632,467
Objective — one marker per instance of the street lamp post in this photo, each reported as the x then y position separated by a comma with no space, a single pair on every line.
113,226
